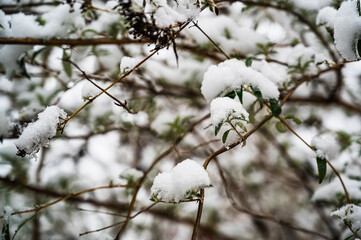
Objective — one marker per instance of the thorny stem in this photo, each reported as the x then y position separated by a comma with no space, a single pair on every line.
328,162
37,209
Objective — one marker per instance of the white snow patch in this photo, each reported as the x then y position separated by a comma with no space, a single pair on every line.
350,213
39,133
329,192
187,176
232,74
327,144
327,17
347,29
128,63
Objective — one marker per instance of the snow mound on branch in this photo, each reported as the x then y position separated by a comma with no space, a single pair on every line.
185,178
327,17
169,13
232,74
347,29
223,107
40,132
327,144
350,213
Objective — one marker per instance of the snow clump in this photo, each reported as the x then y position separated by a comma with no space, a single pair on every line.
39,133
169,13
350,213
232,74
327,17
346,23
326,145
224,107
181,182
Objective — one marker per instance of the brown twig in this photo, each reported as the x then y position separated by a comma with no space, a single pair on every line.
328,162
38,208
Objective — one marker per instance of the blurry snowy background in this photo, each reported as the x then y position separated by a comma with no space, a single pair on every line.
267,189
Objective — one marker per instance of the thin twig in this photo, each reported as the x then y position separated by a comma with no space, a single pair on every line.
328,162
210,39
71,196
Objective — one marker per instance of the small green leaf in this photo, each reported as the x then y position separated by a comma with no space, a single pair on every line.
225,135
231,94
275,107
153,199
1,26
280,127
289,117
297,121
258,95
66,65
239,92
250,111
217,128
249,61
322,168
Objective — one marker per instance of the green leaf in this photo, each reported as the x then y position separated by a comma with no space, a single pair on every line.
258,95
1,26
249,61
67,65
297,121
275,107
22,66
217,128
251,116
5,233
231,94
322,168
239,92
280,127
225,135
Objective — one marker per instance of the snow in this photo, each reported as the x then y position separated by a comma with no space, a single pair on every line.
59,22
173,186
327,17
274,72
326,144
224,107
7,212
128,63
169,13
89,90
232,74
40,132
347,29
311,4
329,192
350,213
